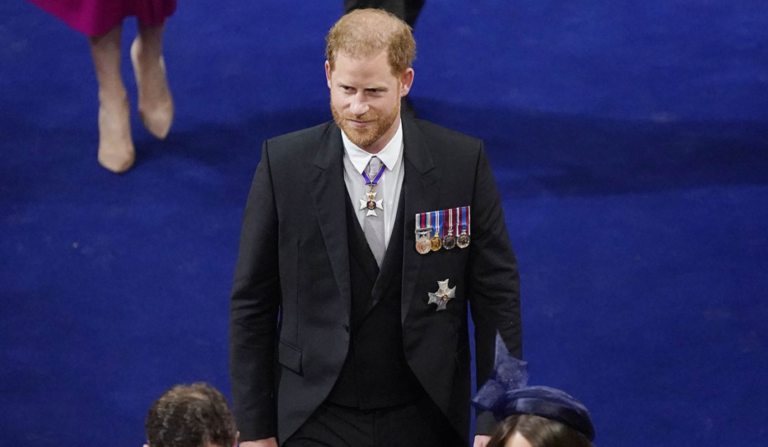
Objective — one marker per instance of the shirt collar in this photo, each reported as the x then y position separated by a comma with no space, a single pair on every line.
390,155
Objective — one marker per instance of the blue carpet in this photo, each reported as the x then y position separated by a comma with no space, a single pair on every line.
630,143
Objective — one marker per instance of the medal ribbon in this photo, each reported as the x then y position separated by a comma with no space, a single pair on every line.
376,178
458,221
442,227
421,221
434,221
469,220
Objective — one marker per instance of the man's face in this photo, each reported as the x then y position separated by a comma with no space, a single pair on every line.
365,98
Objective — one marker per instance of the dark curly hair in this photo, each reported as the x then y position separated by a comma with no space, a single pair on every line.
191,416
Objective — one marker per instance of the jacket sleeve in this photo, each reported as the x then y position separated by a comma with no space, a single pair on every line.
493,281
254,309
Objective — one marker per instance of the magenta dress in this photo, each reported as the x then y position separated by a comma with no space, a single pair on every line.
96,17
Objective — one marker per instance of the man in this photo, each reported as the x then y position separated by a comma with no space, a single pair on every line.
191,416
348,316
407,11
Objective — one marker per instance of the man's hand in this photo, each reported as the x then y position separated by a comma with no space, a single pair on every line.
269,442
480,441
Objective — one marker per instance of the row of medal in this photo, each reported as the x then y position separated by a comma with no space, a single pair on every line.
443,229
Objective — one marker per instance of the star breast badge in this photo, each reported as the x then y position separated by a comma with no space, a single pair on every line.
371,204
443,295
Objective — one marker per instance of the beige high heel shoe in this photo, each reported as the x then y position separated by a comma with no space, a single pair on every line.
155,101
116,151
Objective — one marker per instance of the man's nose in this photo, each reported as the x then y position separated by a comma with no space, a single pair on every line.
359,105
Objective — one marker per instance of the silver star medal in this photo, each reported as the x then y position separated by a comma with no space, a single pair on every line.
371,204
442,295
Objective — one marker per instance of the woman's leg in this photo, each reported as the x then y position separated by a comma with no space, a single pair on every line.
155,101
116,151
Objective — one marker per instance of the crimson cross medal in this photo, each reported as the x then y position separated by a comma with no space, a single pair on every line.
371,204
442,295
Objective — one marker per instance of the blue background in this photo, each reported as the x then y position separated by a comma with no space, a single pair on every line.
629,141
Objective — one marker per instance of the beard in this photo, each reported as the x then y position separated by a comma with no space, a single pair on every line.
379,125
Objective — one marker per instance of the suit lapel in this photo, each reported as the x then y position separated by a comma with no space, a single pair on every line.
330,197
421,192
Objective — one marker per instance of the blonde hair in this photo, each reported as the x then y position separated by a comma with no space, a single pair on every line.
368,32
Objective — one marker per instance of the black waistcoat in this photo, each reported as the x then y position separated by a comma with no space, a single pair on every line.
375,373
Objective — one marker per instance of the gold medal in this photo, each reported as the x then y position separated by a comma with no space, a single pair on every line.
436,243
433,223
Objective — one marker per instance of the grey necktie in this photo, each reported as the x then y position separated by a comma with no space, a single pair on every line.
374,225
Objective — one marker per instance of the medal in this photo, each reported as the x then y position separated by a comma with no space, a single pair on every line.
443,295
449,241
464,239
369,202
423,242
431,233
437,242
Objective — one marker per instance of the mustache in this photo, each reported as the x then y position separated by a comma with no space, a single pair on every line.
366,118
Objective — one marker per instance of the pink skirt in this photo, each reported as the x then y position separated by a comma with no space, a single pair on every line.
96,17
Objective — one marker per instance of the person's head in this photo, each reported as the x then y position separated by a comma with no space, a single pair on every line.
532,416
526,430
368,69
191,416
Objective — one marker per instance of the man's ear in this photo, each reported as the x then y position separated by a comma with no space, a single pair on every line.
328,73
406,81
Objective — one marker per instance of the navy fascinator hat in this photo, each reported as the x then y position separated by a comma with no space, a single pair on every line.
506,394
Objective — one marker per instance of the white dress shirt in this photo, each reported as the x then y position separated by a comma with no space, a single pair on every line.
390,184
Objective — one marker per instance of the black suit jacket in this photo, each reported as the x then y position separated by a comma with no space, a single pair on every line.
290,307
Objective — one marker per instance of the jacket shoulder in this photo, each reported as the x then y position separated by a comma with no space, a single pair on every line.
444,135
291,143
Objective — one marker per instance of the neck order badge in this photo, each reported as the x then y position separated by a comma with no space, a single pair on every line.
370,202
